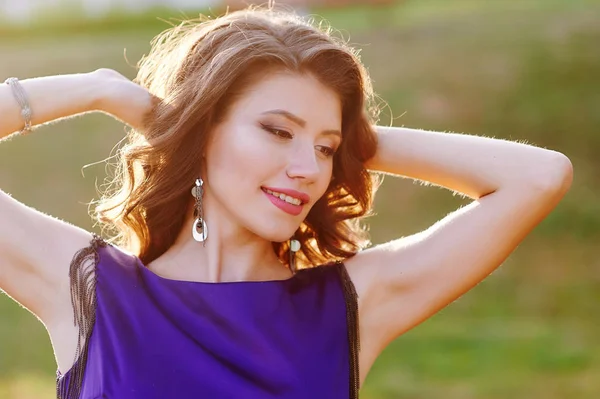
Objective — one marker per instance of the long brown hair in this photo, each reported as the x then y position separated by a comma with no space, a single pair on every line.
197,69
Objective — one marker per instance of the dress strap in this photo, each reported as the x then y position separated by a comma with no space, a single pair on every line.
351,298
82,274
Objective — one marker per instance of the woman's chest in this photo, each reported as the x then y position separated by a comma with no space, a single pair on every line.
218,352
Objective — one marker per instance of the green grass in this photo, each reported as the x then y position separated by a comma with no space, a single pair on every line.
522,70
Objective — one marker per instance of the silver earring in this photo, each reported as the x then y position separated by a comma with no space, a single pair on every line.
294,247
199,228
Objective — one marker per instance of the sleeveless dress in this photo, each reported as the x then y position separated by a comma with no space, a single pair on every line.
145,336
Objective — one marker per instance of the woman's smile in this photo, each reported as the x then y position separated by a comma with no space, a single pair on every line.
289,201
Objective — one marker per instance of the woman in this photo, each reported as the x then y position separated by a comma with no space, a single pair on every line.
238,268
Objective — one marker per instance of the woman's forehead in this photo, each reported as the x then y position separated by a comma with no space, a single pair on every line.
300,95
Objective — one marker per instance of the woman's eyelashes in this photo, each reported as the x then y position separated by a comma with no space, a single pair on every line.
285,135
328,151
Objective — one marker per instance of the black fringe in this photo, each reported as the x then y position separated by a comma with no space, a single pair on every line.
82,273
351,298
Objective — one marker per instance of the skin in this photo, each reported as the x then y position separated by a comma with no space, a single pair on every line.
401,283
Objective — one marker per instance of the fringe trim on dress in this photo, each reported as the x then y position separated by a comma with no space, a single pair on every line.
351,298
82,274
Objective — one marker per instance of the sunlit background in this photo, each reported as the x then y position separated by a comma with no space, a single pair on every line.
517,69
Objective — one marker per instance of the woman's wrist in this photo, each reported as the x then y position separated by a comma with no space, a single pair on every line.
118,96
102,91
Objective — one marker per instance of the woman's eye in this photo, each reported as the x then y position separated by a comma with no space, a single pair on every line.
328,151
284,134
278,132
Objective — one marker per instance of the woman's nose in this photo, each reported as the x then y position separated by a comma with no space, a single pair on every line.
303,163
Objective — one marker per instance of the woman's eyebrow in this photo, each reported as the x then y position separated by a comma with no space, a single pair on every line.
299,121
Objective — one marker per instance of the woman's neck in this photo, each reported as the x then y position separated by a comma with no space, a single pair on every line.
226,255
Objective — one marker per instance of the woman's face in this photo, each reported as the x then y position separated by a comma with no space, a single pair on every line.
271,159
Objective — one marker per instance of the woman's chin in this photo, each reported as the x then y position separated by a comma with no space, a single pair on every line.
277,236
275,230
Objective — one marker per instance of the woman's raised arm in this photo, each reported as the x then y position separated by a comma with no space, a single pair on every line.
36,249
53,98
514,187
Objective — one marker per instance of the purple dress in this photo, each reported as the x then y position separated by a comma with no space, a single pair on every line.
145,337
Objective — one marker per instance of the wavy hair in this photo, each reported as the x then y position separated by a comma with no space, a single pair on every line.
197,69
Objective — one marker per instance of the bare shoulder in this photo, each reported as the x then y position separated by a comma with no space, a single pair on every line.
36,253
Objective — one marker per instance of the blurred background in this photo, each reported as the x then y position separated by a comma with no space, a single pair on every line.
524,70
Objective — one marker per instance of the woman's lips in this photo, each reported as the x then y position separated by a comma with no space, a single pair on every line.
285,206
305,198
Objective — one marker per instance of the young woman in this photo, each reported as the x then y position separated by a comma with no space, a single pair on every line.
238,268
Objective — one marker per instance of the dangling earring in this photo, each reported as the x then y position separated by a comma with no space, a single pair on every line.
199,228
294,247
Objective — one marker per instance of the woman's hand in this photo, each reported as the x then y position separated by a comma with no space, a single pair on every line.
125,100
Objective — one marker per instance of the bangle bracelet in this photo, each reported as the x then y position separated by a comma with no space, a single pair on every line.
21,97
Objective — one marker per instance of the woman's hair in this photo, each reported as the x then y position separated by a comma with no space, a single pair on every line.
198,69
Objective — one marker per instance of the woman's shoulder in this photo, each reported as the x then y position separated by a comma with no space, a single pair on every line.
331,272
102,254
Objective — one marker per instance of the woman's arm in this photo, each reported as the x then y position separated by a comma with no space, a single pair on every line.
405,281
472,165
36,249
52,98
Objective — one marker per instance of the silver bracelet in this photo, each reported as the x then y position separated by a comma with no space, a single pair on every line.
21,97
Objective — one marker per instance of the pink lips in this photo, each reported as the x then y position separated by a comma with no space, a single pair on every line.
292,209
